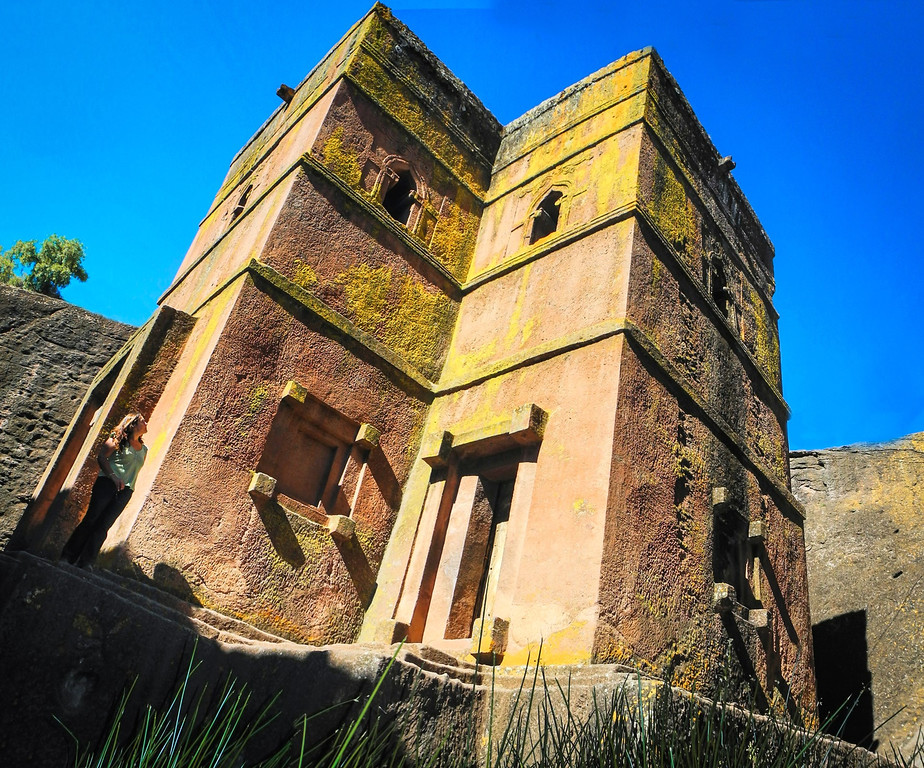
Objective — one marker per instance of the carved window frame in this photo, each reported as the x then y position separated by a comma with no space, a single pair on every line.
744,597
388,176
241,203
563,189
340,486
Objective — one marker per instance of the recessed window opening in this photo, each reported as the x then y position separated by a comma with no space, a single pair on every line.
306,451
719,287
400,198
732,558
545,219
241,203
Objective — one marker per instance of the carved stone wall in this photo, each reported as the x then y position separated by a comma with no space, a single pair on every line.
49,353
560,334
864,535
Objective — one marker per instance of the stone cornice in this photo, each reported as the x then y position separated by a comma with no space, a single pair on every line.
454,130
441,276
630,210
455,290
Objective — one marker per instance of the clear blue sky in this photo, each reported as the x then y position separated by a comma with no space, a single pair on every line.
120,120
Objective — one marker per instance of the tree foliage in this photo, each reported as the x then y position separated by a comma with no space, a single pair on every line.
45,269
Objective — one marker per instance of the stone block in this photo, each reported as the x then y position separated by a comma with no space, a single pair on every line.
759,618
723,598
437,448
721,498
389,632
756,532
295,391
489,638
262,487
341,527
528,422
367,436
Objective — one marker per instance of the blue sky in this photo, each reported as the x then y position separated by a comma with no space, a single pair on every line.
120,120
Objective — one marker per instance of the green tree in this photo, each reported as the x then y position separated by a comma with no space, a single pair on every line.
46,269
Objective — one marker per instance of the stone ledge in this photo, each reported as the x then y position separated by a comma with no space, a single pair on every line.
104,634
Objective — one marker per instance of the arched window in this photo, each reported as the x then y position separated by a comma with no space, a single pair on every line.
545,217
400,198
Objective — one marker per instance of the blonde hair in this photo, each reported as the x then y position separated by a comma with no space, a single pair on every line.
123,432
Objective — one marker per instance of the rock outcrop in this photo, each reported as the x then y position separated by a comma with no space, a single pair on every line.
49,353
865,545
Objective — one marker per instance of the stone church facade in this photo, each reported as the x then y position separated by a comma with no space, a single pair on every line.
484,388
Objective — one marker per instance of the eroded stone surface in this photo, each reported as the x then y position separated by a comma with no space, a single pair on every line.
865,545
49,353
384,253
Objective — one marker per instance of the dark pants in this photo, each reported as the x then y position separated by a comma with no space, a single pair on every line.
106,504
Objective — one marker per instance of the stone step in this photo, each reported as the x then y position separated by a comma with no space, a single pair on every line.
147,596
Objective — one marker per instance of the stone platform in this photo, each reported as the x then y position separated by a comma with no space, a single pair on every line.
73,640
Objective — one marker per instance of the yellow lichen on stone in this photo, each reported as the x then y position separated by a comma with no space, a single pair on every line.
672,211
767,344
366,292
515,326
407,317
688,661
365,539
612,651
340,160
405,107
657,270
420,324
453,241
257,398
567,646
304,275
616,161
581,508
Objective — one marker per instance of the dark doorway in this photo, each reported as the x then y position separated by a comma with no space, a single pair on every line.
843,677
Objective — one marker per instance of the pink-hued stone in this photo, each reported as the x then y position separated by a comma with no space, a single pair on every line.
495,375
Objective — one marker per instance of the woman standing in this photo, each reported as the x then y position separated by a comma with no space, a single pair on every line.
120,459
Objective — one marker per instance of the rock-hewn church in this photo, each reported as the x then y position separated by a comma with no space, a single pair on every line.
424,377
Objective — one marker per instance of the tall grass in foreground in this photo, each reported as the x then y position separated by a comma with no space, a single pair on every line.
543,730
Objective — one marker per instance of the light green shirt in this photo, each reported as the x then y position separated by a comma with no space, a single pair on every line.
126,463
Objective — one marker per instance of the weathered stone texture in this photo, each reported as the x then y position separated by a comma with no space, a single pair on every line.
384,258
270,566
104,634
49,353
865,545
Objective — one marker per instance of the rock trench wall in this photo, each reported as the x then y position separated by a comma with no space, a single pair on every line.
49,353
864,536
